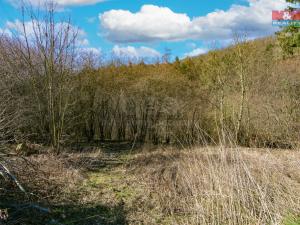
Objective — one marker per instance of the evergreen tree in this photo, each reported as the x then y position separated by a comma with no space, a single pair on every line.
289,37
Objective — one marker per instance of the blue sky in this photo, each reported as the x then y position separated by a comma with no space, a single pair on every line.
142,28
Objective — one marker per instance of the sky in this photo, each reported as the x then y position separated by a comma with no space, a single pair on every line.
151,28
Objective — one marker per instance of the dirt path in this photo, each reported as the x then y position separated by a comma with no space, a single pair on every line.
106,194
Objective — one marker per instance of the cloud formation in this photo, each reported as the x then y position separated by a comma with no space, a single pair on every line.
16,28
91,50
5,32
154,23
131,53
196,52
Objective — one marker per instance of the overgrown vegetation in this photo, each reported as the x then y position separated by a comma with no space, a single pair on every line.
246,92
54,99
222,186
162,186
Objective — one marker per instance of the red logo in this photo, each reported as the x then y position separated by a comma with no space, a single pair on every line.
286,15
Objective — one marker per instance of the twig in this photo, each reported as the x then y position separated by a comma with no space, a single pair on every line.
4,169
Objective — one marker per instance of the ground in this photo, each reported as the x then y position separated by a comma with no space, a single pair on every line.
108,184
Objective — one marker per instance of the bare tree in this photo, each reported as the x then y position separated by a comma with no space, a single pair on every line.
46,52
7,125
241,66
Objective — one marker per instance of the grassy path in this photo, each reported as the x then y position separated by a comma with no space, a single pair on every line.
106,193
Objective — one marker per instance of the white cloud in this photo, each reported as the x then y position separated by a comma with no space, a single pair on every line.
17,28
151,23
58,2
154,23
91,50
132,53
196,52
5,32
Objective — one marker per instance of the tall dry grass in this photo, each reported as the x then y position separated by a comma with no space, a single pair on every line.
223,185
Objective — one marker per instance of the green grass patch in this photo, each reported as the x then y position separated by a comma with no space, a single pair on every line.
291,220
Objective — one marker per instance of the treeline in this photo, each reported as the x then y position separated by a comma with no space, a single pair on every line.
242,95
52,94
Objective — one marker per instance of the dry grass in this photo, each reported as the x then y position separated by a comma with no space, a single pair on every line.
46,175
223,186
75,188
196,186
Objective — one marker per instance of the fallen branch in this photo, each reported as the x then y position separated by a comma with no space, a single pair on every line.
33,206
4,171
